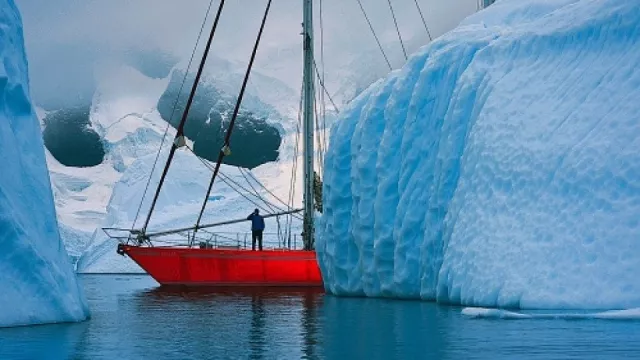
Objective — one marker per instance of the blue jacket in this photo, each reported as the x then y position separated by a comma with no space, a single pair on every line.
257,222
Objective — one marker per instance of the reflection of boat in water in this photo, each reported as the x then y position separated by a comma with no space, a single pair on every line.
310,295
199,263
263,321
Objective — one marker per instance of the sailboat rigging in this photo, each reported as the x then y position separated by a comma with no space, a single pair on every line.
200,263
179,140
203,264
309,97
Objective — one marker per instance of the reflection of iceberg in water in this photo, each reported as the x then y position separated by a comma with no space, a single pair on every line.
366,328
360,328
66,341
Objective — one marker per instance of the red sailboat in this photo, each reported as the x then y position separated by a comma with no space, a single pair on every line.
226,267
202,264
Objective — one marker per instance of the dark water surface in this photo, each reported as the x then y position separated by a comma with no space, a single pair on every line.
133,319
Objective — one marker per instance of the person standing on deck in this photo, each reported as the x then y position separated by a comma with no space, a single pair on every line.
257,227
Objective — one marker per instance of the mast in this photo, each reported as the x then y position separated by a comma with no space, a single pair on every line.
309,96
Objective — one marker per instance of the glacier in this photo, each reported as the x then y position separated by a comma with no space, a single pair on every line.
37,279
124,113
125,116
497,168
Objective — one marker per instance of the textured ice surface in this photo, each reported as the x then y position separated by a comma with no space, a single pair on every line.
628,314
498,168
37,280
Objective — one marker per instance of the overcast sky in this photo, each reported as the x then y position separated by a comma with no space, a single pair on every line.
67,39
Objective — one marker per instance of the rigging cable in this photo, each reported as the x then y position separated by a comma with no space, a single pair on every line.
225,147
277,198
374,34
267,190
322,80
257,194
226,179
231,183
423,21
173,110
294,167
273,207
180,130
324,88
320,154
395,22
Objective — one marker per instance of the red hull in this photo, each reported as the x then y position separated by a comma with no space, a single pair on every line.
215,267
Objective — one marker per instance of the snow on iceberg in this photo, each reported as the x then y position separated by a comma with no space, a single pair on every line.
37,280
498,168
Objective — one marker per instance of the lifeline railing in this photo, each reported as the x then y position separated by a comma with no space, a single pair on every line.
243,240
189,228
223,240
204,238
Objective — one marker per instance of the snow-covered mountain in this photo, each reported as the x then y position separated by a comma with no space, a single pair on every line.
124,113
125,118
498,167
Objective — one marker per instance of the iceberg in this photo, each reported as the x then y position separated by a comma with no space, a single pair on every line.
36,276
497,168
484,313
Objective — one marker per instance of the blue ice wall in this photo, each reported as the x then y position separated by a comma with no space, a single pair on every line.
37,282
498,167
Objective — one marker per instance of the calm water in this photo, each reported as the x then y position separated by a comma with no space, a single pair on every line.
133,319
